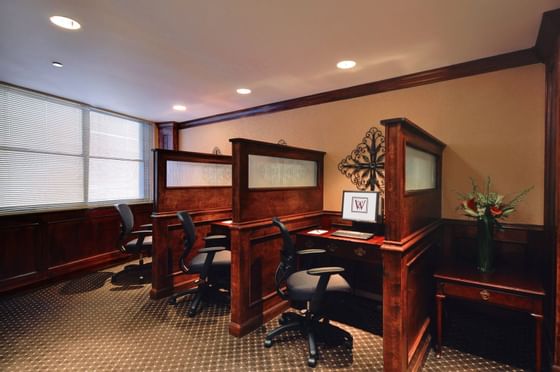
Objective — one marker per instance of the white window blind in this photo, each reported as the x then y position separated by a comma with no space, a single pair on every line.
116,168
58,154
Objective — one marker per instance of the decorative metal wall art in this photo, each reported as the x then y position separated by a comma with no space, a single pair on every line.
216,151
282,142
365,166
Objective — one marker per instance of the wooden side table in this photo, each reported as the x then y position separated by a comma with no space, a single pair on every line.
521,291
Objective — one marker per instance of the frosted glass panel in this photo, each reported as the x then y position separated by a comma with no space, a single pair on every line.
420,170
273,172
190,174
111,179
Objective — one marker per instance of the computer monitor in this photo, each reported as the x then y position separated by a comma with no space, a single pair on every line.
360,206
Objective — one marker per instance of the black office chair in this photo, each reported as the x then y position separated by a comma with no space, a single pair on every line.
212,263
141,244
308,287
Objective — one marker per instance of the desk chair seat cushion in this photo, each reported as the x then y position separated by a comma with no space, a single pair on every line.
147,244
302,286
221,259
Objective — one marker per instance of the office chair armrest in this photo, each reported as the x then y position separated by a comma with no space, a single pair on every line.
211,249
214,237
146,226
310,251
325,270
325,274
142,232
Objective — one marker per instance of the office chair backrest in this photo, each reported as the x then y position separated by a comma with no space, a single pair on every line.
127,220
190,236
287,264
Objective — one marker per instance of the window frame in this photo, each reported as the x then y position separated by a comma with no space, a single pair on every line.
148,138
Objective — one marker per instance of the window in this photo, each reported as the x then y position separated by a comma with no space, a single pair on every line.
58,154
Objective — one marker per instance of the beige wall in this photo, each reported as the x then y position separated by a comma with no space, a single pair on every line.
493,125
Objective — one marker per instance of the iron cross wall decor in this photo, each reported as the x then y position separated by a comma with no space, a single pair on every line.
365,166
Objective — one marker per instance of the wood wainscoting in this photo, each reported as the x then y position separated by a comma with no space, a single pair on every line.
36,247
255,252
168,246
517,245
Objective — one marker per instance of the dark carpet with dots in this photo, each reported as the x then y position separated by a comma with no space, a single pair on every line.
88,323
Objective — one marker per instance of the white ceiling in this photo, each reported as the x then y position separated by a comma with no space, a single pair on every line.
139,57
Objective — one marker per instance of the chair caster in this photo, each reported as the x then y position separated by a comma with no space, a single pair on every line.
267,343
311,362
172,301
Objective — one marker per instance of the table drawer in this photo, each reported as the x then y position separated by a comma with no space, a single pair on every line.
495,297
350,250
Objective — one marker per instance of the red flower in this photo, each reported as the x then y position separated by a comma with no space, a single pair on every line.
471,204
496,211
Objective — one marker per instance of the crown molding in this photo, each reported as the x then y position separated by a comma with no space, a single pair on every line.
475,67
549,33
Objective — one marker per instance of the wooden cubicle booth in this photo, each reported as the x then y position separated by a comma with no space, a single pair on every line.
261,192
413,234
195,182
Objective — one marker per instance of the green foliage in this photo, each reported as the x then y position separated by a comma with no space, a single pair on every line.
486,204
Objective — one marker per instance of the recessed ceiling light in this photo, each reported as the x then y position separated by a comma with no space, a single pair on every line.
344,65
57,64
244,91
179,107
65,22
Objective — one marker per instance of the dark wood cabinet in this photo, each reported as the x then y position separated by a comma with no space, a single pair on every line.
516,290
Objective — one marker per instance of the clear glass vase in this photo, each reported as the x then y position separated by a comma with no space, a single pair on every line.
485,241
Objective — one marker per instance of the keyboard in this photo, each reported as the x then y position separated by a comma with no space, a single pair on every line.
352,234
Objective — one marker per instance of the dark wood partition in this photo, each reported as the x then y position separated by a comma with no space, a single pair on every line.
548,49
412,236
257,203
255,243
38,247
206,204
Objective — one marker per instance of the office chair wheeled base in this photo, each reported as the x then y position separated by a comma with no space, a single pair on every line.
141,268
314,329
201,291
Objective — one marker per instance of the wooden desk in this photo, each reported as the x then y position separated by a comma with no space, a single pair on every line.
364,279
509,289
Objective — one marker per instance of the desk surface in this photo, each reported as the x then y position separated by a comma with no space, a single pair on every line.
526,282
376,240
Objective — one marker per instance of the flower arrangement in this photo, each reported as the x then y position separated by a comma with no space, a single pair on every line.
488,205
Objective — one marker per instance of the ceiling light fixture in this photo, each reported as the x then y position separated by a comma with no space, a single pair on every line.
65,22
179,108
57,64
243,91
344,65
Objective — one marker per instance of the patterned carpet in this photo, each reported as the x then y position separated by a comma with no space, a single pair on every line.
89,324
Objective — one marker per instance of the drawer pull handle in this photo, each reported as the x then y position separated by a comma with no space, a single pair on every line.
485,295
359,251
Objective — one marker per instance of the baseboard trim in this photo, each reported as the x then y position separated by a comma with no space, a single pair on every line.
240,330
